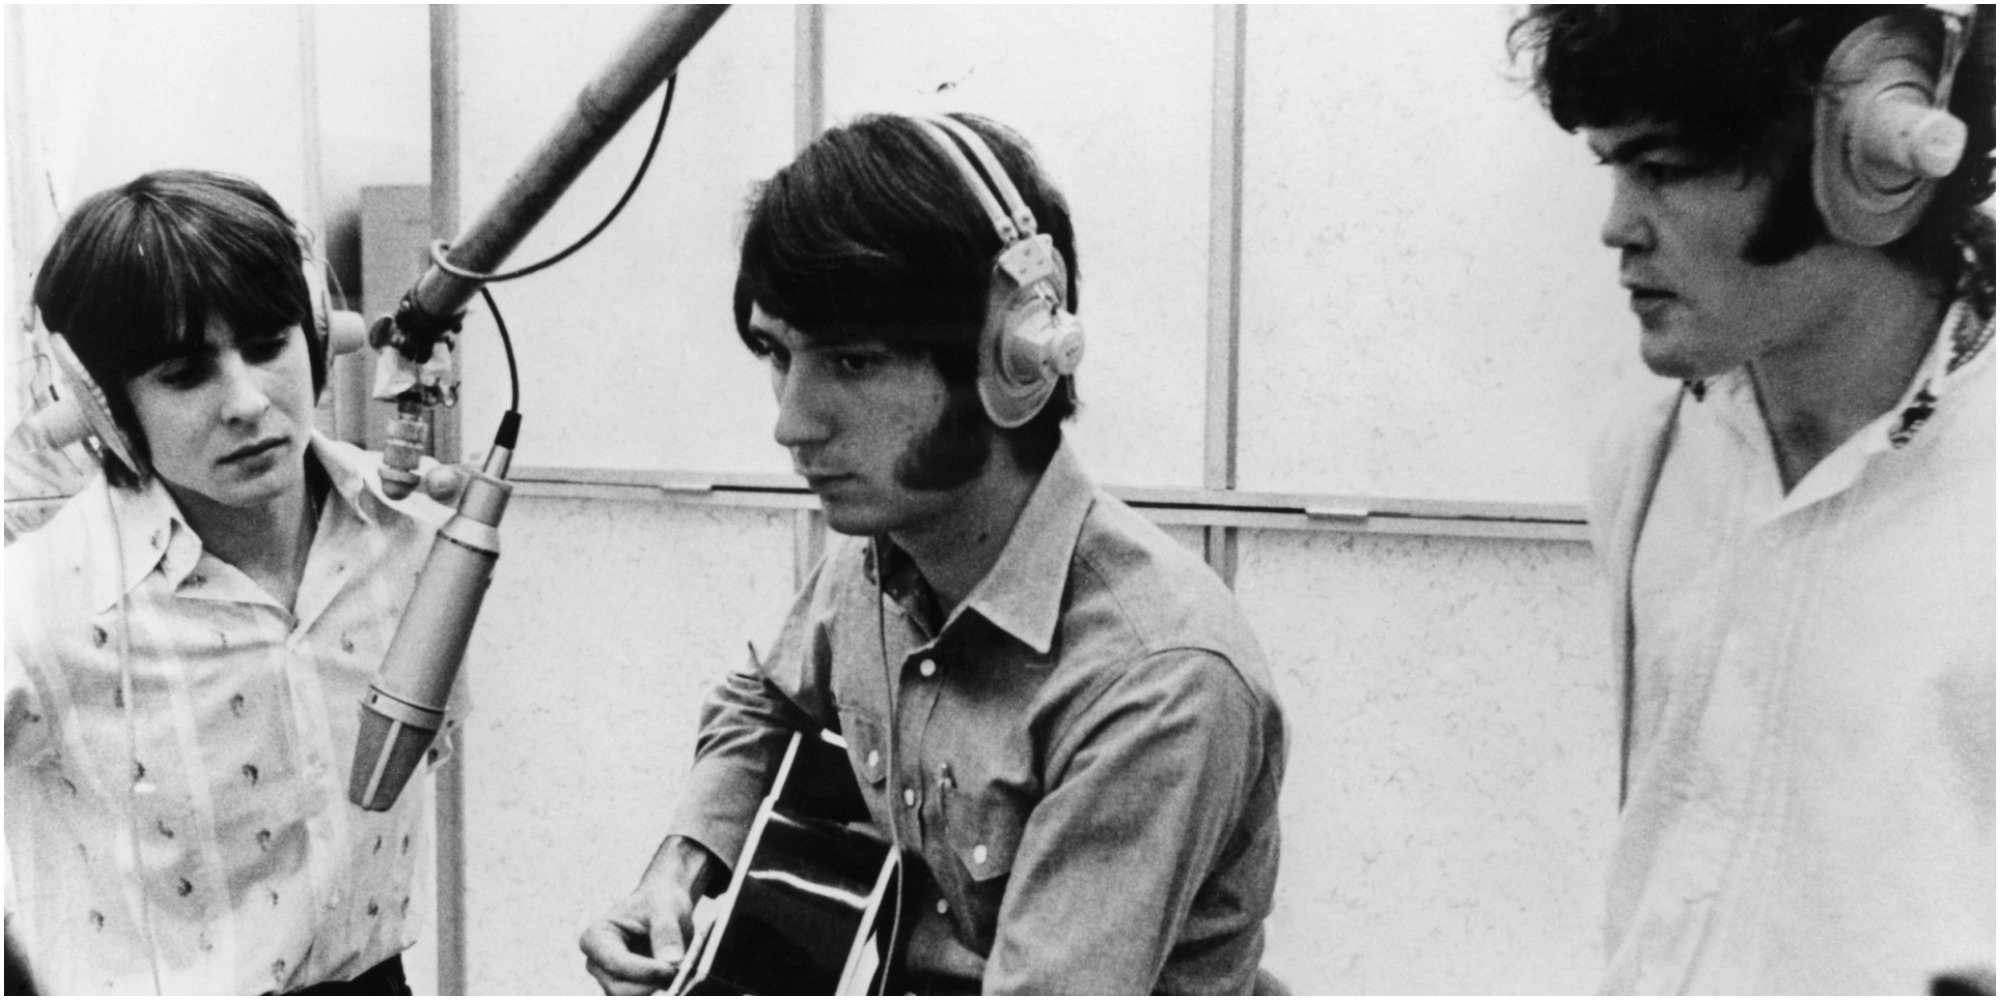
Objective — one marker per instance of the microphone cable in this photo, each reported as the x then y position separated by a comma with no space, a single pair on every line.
438,248
506,344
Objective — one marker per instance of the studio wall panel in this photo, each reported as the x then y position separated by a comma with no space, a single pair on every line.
1426,309
1452,786
629,355
607,623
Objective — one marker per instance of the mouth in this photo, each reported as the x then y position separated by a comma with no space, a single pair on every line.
255,449
1645,291
818,481
1649,301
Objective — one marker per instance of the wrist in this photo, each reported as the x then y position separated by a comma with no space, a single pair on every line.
684,866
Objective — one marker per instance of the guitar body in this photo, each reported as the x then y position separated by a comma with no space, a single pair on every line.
812,907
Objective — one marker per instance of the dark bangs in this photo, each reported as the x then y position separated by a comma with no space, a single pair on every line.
138,271
870,233
1720,75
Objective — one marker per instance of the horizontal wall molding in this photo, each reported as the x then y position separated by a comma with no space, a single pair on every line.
1196,507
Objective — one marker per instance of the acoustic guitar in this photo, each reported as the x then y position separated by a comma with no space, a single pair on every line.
814,905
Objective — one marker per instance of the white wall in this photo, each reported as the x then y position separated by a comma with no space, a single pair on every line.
1424,313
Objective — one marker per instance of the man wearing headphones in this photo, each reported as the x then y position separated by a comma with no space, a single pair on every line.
1057,712
1799,528
189,638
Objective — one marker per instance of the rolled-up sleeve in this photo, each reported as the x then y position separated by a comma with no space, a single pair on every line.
1148,786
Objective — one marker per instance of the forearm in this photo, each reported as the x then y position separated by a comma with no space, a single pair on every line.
744,726
683,865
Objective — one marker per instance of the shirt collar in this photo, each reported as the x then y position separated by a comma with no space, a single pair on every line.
1022,594
351,473
153,534
1958,350
150,533
1961,339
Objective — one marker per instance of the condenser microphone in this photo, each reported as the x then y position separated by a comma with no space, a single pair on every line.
405,707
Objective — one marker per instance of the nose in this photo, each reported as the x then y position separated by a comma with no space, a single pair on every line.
803,419
243,395
1625,224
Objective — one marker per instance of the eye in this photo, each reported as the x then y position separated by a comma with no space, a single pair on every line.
266,349
855,363
769,351
181,373
1655,171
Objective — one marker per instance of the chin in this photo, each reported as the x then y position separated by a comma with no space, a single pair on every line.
848,521
1663,358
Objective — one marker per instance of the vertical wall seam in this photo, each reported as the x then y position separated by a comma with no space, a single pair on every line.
450,778
808,116
808,73
27,185
1225,251
314,210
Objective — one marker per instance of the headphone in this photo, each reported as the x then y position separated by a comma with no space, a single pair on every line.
81,411
1883,136
1030,340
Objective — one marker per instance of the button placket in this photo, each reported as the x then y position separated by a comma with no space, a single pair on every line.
916,703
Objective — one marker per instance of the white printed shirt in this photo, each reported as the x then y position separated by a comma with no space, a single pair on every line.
253,873
1810,778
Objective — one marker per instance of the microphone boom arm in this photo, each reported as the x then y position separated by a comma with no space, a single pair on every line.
434,305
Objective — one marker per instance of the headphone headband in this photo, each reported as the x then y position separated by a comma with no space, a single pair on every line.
1014,222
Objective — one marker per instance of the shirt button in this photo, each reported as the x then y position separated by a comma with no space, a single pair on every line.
979,855
910,797
943,907
927,668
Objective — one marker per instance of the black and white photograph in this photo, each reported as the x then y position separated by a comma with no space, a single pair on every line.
824,499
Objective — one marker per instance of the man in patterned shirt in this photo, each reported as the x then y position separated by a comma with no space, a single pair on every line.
189,638
1799,528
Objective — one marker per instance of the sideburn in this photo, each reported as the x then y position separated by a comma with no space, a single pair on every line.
953,452
1791,224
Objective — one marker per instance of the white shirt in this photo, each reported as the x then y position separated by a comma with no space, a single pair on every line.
1810,807
253,871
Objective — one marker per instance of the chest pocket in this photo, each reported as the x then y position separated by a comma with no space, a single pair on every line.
984,830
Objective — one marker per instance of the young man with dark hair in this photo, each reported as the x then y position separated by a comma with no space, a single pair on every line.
1800,529
189,638
1058,711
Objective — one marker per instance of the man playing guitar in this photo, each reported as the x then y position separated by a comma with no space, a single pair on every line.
1056,712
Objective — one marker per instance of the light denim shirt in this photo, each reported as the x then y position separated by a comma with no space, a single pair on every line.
1087,758
252,871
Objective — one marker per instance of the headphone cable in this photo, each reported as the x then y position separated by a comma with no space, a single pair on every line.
895,837
127,696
